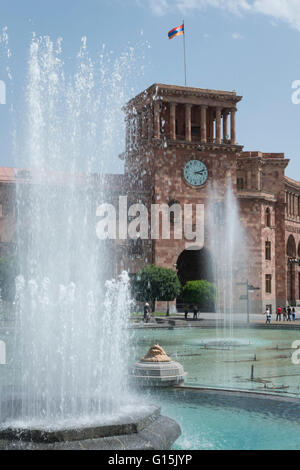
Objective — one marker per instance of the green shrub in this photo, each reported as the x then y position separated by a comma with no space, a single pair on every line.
202,293
154,283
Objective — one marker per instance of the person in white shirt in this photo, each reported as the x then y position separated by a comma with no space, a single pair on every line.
268,316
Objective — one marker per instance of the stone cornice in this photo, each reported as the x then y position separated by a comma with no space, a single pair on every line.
177,94
181,144
173,90
260,195
260,161
291,228
275,162
292,184
292,219
211,147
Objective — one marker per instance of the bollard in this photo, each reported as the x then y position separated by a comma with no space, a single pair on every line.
252,372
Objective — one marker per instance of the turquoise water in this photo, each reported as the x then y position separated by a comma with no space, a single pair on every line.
211,358
209,421
219,423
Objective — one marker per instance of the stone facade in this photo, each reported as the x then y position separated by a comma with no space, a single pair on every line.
166,127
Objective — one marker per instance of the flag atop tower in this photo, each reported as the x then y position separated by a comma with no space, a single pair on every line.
179,31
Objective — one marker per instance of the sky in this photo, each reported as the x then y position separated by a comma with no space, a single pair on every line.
251,46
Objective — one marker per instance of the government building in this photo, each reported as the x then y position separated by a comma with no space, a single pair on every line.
180,143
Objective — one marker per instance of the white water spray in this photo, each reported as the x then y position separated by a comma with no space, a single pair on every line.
72,343
230,255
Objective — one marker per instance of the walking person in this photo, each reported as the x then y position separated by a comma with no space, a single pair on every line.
284,314
186,312
289,311
294,314
195,312
278,316
268,317
146,312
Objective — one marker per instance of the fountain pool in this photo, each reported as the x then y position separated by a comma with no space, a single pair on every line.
218,421
220,407
216,360
214,419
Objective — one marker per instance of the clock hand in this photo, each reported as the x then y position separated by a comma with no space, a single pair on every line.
199,172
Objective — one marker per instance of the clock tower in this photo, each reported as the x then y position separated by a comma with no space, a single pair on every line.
181,144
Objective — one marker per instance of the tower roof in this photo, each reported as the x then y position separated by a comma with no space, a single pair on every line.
181,94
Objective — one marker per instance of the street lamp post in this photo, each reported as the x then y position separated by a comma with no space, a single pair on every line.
250,289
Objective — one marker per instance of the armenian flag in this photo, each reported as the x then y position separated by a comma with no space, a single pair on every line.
179,31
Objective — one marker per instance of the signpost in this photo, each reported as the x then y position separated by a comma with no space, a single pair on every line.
250,290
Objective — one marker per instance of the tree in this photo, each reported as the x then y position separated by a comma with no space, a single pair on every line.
154,283
202,293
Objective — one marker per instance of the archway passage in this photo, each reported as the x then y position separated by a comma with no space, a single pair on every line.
291,247
194,265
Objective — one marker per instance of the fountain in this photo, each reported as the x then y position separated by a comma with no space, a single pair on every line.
229,246
70,378
156,369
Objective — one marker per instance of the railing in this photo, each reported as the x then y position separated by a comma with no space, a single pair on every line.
198,140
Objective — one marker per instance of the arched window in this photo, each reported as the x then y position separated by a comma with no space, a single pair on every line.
291,247
240,180
268,250
268,217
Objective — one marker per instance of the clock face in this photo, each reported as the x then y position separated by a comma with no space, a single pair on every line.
195,173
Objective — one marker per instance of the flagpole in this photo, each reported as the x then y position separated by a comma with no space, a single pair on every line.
184,51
